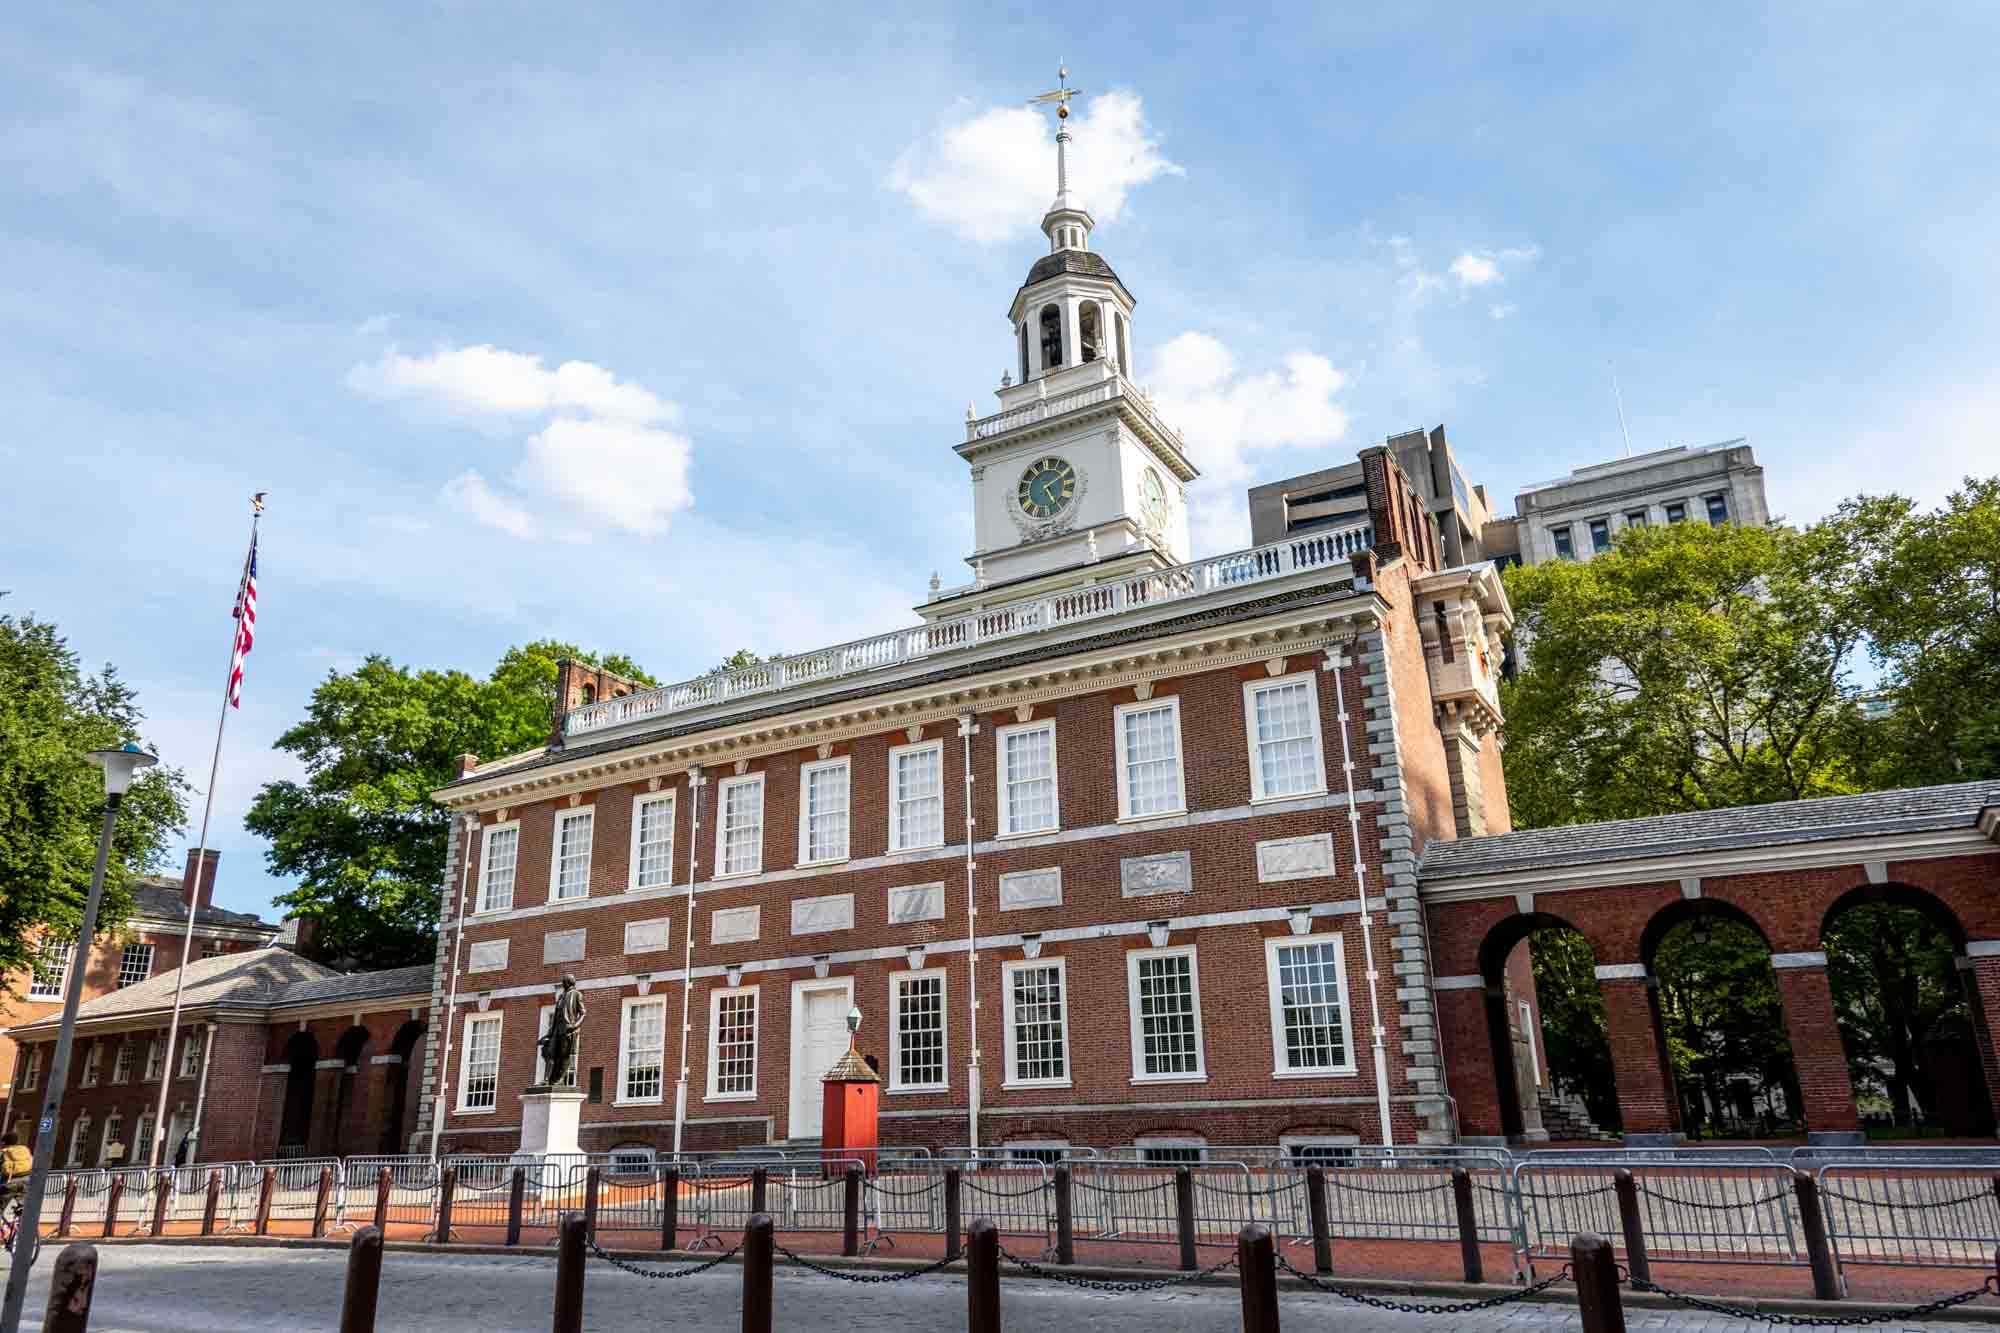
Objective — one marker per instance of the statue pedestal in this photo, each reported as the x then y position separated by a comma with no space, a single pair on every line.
548,1121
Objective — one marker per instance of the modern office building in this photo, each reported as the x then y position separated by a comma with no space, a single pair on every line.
1577,516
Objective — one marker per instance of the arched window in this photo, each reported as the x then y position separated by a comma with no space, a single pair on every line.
1088,320
1124,352
590,694
1052,348
1024,351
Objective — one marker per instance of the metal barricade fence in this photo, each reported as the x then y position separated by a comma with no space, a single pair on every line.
483,1193
413,1189
1927,1214
1734,1208
295,1189
1018,1196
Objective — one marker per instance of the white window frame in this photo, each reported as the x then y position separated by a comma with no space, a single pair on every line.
191,1045
1280,1057
806,772
1143,1142
126,953
639,805
564,818
715,998
1172,704
1287,1143
38,989
472,1020
722,790
113,1124
1010,1053
1251,689
155,1065
897,980
93,1065
122,1061
1059,1146
481,904
1133,958
31,1070
631,1004
1005,822
79,1137
896,754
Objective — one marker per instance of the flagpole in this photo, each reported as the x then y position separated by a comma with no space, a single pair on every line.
201,854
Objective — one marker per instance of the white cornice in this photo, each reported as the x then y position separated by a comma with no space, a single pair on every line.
1301,630
1672,867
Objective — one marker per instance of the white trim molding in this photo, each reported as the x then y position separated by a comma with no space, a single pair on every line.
1621,972
1460,983
1803,958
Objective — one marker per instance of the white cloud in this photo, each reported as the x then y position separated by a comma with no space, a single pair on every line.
1227,416
604,455
991,174
1475,270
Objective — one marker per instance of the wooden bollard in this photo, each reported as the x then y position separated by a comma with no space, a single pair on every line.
1468,1226
670,1207
112,1198
1257,1266
517,1192
447,1196
1065,1215
759,1188
850,1212
212,1203
569,1274
383,1184
593,1180
322,1201
954,1217
982,1277
71,1287
68,1217
1632,1223
1184,1215
1317,1218
1819,1253
364,1280
163,1185
264,1188
759,1240
1596,1275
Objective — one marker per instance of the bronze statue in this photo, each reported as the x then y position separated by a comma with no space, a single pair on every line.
558,1044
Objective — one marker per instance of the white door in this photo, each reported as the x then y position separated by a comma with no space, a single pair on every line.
819,1039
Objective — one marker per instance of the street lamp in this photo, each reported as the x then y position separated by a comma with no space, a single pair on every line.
119,767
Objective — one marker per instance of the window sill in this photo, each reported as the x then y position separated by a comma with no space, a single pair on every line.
925,1089
1305,795
1343,1071
488,911
918,847
822,861
1178,813
735,874
638,1101
1149,1079
651,888
732,1097
476,1110
1010,1085
568,898
1012,834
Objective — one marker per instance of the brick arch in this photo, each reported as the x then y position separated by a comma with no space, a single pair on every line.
1501,939
1896,894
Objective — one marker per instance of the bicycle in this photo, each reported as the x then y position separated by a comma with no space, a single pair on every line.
10,1227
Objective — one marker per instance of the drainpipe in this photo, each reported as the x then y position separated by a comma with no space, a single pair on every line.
967,726
1361,892
696,781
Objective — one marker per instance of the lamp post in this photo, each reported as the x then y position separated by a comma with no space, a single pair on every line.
119,767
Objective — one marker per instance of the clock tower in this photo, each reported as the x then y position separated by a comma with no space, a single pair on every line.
1075,478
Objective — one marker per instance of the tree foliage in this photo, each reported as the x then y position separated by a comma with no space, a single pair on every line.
1895,988
52,713
361,833
1572,1016
1724,1024
739,659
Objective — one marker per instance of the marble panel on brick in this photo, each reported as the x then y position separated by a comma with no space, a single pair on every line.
815,916
733,925
920,902
562,946
646,936
486,956
1308,857
1031,888
1164,872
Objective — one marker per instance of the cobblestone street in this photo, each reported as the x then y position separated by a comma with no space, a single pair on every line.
143,1289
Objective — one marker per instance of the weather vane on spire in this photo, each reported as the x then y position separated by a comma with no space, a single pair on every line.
1063,92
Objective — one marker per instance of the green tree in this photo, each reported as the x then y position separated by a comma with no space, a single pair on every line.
1572,1017
1722,1016
361,833
52,713
1895,986
1687,668
737,660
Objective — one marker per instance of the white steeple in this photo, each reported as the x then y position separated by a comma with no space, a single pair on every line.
1067,223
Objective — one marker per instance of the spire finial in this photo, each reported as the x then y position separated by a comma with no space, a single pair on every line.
1060,96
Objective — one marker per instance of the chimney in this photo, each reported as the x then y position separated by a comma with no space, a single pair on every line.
202,893
467,763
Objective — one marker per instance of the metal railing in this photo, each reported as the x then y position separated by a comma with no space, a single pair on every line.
1933,1215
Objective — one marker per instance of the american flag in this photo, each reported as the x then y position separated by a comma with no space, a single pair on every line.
246,626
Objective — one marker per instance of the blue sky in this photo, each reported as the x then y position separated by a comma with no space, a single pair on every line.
652,327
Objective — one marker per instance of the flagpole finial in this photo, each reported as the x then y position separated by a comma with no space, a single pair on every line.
257,502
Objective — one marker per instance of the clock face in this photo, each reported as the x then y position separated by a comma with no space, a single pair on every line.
1046,487
1153,498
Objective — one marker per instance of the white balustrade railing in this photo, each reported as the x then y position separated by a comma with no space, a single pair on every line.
1308,551
1055,405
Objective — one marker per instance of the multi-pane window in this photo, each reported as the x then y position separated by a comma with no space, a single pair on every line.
653,841
1282,718
1171,1152
645,1049
190,1055
732,1043
569,868
916,796
823,811
1149,759
1037,1032
51,971
79,1135
135,964
1600,534
1028,778
739,833
213,949
121,1063
142,1149
1718,509
1565,548
31,1069
479,1077
93,1061
1677,512
1636,519
917,1013
155,1060
1326,1149
496,872
1166,1014
1308,991
114,1129
1049,1152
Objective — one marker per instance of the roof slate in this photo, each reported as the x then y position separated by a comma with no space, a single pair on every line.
1087,262
159,897
254,979
1911,810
